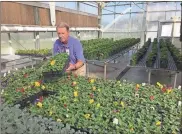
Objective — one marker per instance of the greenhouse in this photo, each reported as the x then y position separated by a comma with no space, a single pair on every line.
85,67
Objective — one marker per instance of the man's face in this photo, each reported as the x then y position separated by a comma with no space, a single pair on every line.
63,34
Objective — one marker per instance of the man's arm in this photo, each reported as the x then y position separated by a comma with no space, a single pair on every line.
55,48
79,56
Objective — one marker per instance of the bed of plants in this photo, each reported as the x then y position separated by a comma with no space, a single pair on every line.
100,106
33,52
104,48
27,82
16,121
152,56
140,53
163,54
113,107
175,54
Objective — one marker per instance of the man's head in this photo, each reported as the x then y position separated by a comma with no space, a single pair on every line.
63,32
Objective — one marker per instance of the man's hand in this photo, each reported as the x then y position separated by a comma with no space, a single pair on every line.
71,67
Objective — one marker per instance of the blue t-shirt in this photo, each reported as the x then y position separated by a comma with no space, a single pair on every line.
74,48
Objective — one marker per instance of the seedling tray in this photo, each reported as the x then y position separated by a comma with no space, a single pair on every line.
55,74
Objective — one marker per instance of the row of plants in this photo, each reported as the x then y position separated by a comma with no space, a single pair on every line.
152,56
175,53
33,52
163,54
105,48
27,82
17,121
140,53
100,106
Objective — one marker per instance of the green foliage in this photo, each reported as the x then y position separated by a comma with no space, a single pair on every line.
104,48
16,121
33,52
175,52
112,99
152,55
141,52
56,63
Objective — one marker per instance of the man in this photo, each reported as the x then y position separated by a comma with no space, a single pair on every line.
73,47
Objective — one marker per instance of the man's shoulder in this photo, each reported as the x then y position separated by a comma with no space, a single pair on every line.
73,39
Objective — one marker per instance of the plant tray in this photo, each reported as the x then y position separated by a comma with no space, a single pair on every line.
32,99
55,74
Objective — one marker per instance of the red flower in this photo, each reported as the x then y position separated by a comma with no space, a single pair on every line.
65,105
41,98
91,95
40,81
25,75
22,90
164,89
151,98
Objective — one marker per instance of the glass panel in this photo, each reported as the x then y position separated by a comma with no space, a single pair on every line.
178,5
169,15
138,8
151,35
171,6
152,26
22,41
70,5
4,44
161,6
88,9
120,9
46,40
106,19
156,16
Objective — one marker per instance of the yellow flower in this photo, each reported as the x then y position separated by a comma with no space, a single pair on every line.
37,84
91,101
59,120
98,105
43,87
75,93
137,86
115,103
131,129
158,123
39,104
160,85
122,104
53,62
92,81
94,88
50,113
87,116
169,91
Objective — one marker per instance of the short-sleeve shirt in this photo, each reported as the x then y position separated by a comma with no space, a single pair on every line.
73,48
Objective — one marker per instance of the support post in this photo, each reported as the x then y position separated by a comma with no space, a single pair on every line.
149,76
105,70
10,44
100,34
37,40
175,79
